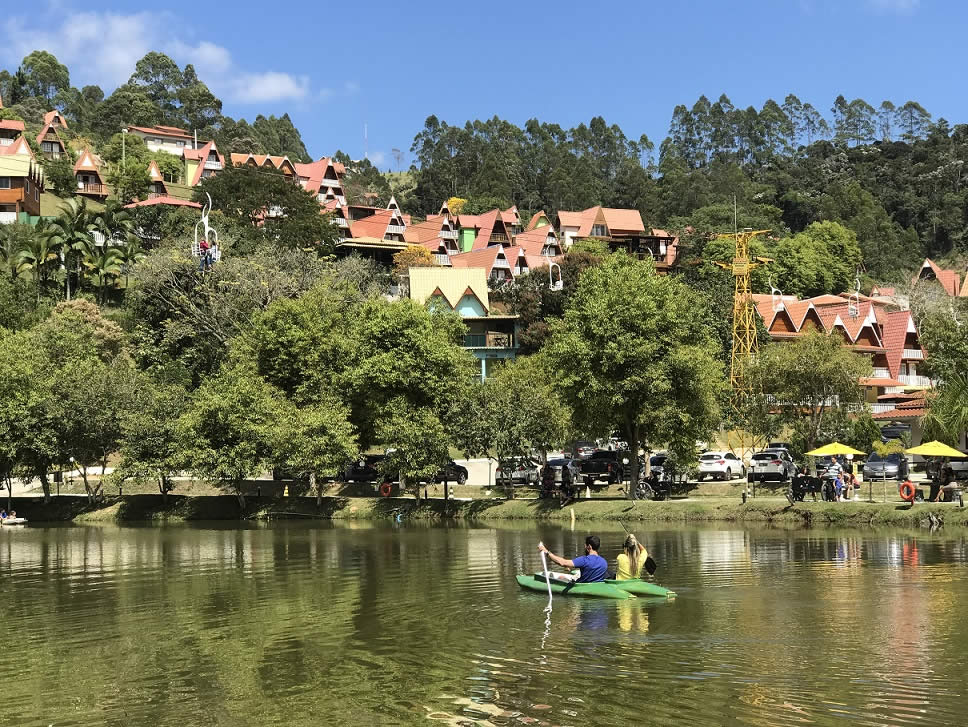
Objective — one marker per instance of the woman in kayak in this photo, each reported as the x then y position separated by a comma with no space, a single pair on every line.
628,564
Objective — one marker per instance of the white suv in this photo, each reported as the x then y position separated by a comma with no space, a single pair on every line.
722,465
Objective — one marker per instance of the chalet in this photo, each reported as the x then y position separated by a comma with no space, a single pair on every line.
158,186
201,163
49,140
480,231
164,138
866,325
539,219
324,178
499,263
262,161
491,335
438,234
949,280
87,172
21,183
10,131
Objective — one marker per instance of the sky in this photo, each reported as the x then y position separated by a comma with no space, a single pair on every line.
386,65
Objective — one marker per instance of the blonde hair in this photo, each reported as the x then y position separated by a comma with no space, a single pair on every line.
631,548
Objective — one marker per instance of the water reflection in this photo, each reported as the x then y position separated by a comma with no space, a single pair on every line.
300,623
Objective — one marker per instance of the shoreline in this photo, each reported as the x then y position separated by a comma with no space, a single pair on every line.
763,510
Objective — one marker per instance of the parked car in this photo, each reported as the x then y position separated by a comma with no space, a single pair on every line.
895,430
560,465
772,464
889,467
583,449
452,472
518,471
605,466
366,469
657,464
720,465
778,445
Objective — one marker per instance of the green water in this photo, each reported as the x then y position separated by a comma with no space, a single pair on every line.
306,624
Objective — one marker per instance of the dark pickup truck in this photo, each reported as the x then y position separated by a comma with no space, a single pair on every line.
605,466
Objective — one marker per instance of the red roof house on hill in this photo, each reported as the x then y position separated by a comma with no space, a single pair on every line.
949,280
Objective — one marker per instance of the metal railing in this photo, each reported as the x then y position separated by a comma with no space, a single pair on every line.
915,380
213,164
442,258
331,182
91,187
490,340
449,234
396,229
913,353
881,373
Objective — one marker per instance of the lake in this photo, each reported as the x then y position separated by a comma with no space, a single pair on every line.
297,623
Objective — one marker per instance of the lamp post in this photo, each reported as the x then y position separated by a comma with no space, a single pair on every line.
124,133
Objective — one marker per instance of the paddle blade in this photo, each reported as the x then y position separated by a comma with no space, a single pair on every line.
650,565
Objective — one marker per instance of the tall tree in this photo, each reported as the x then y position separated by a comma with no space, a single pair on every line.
44,76
634,355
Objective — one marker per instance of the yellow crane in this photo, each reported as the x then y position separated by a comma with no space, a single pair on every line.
744,327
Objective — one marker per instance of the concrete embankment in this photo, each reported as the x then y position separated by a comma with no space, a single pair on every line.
776,511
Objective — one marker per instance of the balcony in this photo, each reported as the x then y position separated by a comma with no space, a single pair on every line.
396,229
914,380
327,182
879,407
882,373
441,258
449,234
213,164
8,218
488,340
6,140
91,188
341,221
913,353
498,237
50,154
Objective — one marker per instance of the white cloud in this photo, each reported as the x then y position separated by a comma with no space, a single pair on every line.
377,157
103,47
268,86
901,7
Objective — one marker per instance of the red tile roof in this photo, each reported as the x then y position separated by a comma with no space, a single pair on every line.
173,201
618,221
895,332
532,224
534,241
11,124
484,258
163,131
949,279
261,160
486,224
874,381
50,116
19,146
87,162
201,155
373,226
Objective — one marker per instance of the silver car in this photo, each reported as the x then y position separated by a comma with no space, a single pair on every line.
772,464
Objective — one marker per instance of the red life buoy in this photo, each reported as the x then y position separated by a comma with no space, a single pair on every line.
907,491
386,489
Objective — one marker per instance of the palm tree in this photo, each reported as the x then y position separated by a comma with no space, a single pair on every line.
71,231
130,253
38,253
103,262
947,415
12,240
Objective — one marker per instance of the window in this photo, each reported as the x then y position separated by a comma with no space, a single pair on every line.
36,193
4,182
599,231
27,185
180,143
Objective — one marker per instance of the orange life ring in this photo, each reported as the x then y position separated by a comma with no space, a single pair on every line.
907,491
386,489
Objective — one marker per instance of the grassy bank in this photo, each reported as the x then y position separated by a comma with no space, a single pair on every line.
771,510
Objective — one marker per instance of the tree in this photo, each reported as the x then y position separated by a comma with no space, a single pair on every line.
633,355
44,75
319,440
59,176
824,258
914,120
947,414
231,430
527,414
200,109
806,379
150,448
275,210
37,256
71,234
159,77
415,256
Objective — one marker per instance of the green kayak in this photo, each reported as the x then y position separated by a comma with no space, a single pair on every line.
538,583
642,588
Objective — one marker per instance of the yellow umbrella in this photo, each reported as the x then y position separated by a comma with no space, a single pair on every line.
833,449
934,449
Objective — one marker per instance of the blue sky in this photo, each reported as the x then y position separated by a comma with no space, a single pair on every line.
337,66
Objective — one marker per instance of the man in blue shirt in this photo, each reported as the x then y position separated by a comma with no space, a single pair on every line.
592,566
